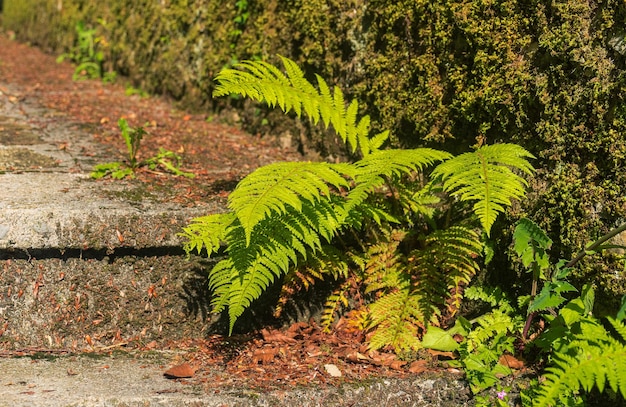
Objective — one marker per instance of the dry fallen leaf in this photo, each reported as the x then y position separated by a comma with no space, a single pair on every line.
357,357
436,353
332,370
264,355
511,361
418,366
181,371
276,336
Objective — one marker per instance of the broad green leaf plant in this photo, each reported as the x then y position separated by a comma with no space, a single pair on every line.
386,220
580,351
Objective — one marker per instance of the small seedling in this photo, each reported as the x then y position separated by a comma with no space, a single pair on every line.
85,54
165,159
131,90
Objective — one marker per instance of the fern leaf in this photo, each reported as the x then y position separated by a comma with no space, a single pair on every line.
372,170
384,265
376,142
272,188
276,245
265,83
206,232
490,325
326,103
594,364
399,162
335,301
445,264
326,262
493,296
485,176
397,320
619,327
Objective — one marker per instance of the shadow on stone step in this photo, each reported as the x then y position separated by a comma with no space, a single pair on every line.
97,298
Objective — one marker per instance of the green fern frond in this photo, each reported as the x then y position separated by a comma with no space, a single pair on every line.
486,177
453,251
445,264
398,162
265,83
619,327
397,320
493,296
207,232
383,269
372,171
490,325
593,365
275,187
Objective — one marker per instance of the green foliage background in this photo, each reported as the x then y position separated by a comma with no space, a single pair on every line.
549,75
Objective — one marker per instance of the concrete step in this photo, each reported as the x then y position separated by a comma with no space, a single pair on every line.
87,263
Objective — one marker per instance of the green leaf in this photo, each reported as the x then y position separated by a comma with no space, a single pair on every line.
439,339
530,243
550,296
588,297
102,170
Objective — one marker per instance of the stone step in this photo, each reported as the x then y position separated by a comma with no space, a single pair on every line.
88,263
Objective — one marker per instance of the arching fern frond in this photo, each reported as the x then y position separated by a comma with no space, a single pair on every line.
207,232
372,171
265,83
590,367
486,177
592,357
275,187
337,300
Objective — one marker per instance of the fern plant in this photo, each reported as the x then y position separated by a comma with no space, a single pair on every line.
286,221
588,356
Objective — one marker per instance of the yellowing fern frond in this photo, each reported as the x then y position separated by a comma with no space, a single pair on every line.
486,177
327,262
397,320
333,304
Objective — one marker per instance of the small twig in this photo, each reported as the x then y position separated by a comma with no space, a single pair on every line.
117,345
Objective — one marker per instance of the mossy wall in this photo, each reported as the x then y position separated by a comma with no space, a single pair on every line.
550,75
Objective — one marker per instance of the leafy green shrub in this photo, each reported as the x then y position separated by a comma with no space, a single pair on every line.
288,219
576,350
86,55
